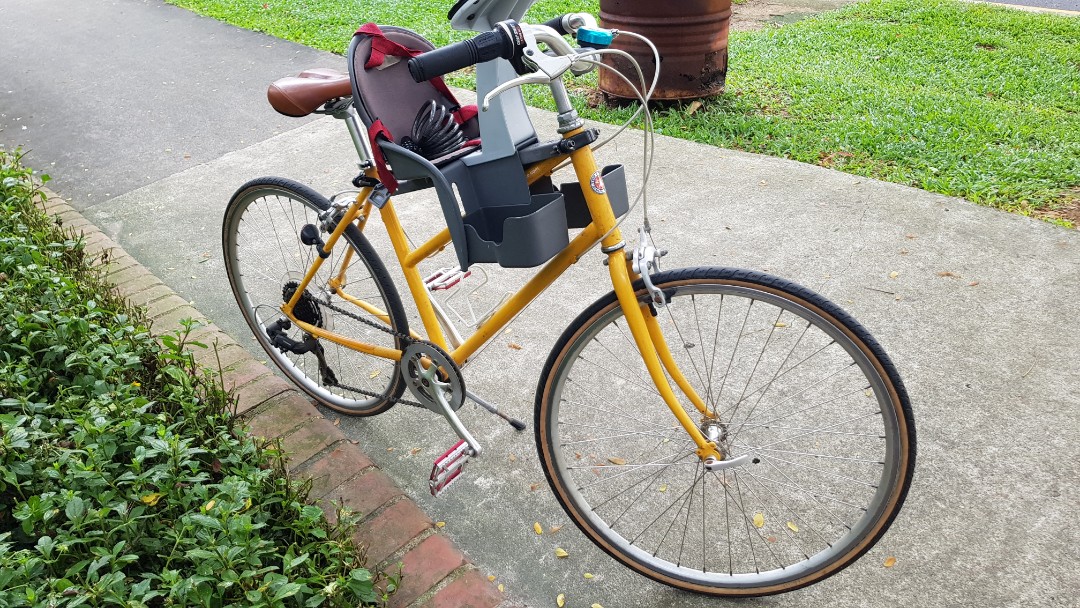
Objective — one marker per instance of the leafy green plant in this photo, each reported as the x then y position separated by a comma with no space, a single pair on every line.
124,480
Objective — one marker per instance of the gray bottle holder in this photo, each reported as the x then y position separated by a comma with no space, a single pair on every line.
499,219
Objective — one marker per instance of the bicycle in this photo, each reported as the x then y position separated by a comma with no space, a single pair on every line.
719,430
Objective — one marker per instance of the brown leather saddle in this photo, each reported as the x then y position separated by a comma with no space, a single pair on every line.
301,95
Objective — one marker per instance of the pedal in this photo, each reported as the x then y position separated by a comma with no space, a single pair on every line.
445,278
448,468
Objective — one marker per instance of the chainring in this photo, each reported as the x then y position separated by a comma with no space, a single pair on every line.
416,360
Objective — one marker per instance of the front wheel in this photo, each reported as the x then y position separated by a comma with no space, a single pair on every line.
801,398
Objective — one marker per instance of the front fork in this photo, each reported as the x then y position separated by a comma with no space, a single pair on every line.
648,337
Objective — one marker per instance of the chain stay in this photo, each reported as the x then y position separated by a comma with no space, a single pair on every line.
406,340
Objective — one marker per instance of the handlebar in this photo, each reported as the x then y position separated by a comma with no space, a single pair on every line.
505,41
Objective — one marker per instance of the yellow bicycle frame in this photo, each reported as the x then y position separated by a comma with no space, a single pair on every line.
640,317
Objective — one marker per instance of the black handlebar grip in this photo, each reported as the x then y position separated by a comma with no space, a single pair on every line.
557,25
485,47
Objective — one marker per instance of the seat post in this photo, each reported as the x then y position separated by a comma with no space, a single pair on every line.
358,134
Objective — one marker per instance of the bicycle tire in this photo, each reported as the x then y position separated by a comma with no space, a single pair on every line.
807,505
264,257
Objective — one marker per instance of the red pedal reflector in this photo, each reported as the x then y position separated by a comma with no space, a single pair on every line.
448,467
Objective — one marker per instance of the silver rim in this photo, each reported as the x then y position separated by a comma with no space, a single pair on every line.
795,396
263,253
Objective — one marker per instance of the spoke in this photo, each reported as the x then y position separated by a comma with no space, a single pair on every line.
822,471
765,387
786,531
644,482
712,360
592,439
662,467
686,522
747,448
825,431
682,339
810,492
664,512
611,413
738,340
814,496
727,525
746,522
815,406
615,356
768,338
701,346
636,383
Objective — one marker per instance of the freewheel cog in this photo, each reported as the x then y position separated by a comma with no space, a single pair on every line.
306,309
428,371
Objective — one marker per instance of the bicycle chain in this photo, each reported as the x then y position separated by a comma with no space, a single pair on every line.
406,339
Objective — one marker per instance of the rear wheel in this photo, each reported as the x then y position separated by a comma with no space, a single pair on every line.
807,408
266,260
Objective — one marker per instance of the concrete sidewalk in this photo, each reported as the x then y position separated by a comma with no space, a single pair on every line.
976,308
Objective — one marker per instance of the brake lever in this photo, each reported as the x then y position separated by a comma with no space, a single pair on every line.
548,67
535,78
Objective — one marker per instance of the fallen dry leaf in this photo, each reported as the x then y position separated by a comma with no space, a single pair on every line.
560,601
151,499
771,539
693,107
513,458
946,273
337,422
414,451
617,461
374,374
534,487
560,552
554,529
514,346
973,284
889,562
538,528
759,520
577,455
780,324
911,236
389,449
791,526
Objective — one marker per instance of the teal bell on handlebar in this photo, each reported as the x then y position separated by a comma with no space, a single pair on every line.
594,37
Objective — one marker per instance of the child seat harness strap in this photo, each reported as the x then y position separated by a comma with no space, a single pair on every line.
381,46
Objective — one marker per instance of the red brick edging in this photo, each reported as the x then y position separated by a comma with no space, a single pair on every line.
435,573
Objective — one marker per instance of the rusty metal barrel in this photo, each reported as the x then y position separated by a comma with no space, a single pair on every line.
691,35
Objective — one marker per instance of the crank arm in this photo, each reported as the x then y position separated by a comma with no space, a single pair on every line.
431,374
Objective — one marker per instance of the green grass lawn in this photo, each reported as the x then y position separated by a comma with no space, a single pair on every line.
962,99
